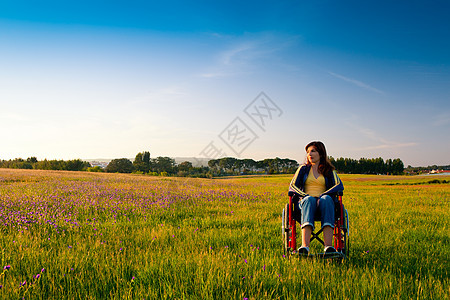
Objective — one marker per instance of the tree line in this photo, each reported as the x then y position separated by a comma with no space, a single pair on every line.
234,166
227,166
368,166
33,163
143,164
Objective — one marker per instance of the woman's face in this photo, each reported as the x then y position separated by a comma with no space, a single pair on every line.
313,155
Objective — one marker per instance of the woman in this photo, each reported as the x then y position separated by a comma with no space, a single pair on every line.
314,187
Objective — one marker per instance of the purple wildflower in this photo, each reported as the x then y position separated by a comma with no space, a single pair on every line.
7,267
37,276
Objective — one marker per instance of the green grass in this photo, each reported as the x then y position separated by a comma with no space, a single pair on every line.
137,237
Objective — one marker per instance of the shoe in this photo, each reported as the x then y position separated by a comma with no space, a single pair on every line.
329,249
303,250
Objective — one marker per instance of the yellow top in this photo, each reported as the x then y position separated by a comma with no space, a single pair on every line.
314,186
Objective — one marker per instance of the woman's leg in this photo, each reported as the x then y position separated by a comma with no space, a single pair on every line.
306,235
328,236
308,207
326,206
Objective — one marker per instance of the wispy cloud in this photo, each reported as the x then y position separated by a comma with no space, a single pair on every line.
241,52
357,83
223,73
388,145
441,119
10,116
380,142
167,94
244,54
213,75
232,61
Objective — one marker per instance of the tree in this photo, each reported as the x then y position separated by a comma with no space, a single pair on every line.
389,166
288,165
227,164
76,165
94,169
142,162
248,165
263,164
397,166
273,165
163,164
185,166
213,165
121,165
32,160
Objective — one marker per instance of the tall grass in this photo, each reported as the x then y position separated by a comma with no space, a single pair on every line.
96,236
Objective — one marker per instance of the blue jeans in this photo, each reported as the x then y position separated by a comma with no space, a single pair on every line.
313,208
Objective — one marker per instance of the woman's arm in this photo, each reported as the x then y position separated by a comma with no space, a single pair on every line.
337,185
296,184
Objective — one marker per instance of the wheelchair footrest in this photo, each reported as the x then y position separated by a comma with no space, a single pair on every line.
323,255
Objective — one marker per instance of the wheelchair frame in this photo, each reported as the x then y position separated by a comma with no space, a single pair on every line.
340,233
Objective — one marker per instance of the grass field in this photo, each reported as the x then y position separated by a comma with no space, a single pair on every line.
78,235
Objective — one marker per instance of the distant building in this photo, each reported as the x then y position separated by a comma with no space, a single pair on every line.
101,164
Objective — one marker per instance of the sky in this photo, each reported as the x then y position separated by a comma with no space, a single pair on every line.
247,79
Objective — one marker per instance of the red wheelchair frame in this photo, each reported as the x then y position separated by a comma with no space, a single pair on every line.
340,233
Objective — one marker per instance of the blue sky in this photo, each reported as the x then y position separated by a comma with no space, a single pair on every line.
108,79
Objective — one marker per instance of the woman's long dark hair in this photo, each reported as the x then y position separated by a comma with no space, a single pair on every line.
325,166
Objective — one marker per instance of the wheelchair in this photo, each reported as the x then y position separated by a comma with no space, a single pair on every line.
341,231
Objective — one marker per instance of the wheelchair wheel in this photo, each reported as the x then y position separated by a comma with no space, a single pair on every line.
285,229
346,233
